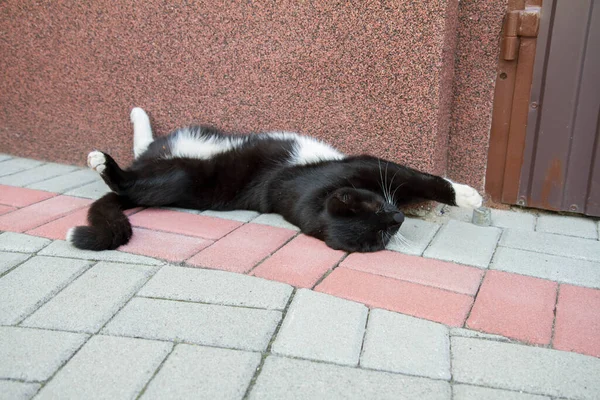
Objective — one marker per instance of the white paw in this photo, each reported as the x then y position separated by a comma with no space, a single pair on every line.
138,115
97,161
466,196
69,237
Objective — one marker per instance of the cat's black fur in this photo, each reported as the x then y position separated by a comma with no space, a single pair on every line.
351,203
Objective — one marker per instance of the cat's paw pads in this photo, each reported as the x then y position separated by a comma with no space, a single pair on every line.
97,161
138,115
466,196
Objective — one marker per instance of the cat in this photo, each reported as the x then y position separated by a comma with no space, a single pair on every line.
349,202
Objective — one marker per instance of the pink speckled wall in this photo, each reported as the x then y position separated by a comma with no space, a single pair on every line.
366,76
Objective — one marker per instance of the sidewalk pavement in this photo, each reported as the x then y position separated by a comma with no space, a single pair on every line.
239,305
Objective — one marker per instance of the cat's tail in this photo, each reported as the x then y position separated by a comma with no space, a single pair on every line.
109,227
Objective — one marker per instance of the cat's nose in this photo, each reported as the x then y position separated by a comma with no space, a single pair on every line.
399,218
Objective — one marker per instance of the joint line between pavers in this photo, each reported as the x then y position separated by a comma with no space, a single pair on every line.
464,325
24,169
555,309
329,271
30,256
267,351
204,302
364,338
156,371
55,218
271,253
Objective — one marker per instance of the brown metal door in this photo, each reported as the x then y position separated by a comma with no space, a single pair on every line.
551,158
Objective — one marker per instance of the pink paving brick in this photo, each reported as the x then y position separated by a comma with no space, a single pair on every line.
6,209
184,223
243,248
577,326
301,262
516,306
168,246
21,197
426,271
41,213
391,294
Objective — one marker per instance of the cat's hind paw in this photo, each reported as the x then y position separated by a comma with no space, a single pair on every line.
465,196
97,161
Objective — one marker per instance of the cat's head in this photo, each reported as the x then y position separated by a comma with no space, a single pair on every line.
360,220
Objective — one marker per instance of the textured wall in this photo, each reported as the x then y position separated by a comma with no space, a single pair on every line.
366,76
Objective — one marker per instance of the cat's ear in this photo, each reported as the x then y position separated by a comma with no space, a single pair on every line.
342,202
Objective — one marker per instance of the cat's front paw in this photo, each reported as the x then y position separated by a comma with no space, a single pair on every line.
465,196
97,161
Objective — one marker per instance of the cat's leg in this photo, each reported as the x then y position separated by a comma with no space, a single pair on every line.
142,131
108,169
465,196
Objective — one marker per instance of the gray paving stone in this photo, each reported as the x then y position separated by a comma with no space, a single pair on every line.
32,283
107,368
399,343
531,369
22,243
35,354
13,390
209,373
513,219
92,299
464,243
414,236
555,268
217,287
237,215
568,226
447,213
16,165
463,332
284,378
9,260
186,210
36,174
93,190
212,325
468,392
67,181
322,327
274,220
4,157
60,248
566,246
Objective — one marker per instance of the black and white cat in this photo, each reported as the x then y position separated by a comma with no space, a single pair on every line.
350,202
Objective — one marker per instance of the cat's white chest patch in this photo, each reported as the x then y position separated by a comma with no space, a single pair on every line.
307,149
190,144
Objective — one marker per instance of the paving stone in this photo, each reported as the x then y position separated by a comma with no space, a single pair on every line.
9,260
395,295
240,251
565,246
67,181
531,369
513,219
170,246
301,262
210,373
413,237
22,197
447,213
36,174
57,229
516,306
17,164
212,325
92,299
61,248
40,213
464,243
468,392
218,287
184,223
322,327
469,333
425,271
237,215
35,354
93,190
284,378
21,243
6,209
546,266
568,226
274,220
185,210
13,390
577,326
32,283
399,343
4,157
108,368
